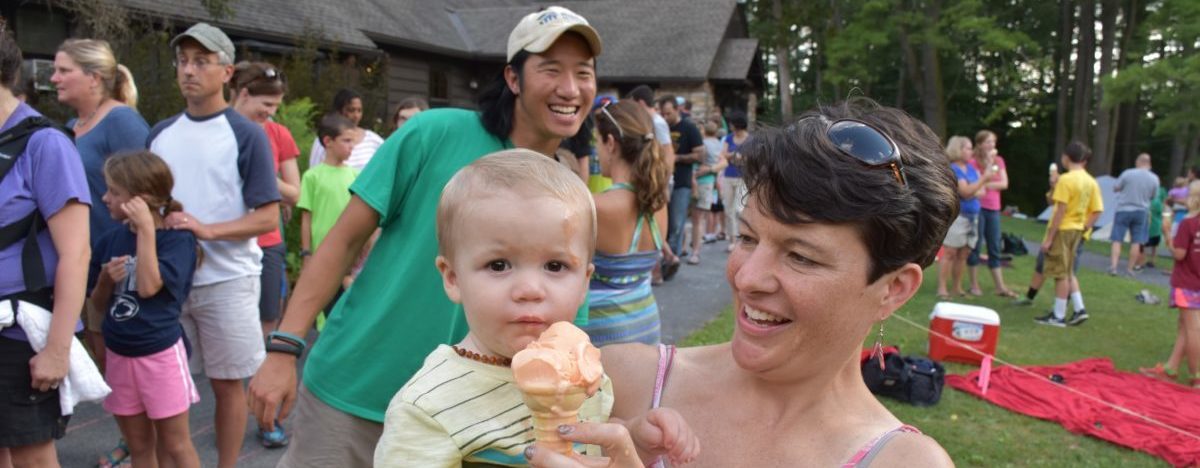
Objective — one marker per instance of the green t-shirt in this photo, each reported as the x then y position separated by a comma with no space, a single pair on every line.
325,192
397,311
1156,212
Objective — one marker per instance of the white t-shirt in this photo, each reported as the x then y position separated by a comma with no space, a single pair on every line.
223,168
662,131
359,158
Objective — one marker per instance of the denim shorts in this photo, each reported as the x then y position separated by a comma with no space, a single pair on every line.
27,416
1136,223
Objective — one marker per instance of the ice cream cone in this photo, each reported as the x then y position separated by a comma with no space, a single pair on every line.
552,409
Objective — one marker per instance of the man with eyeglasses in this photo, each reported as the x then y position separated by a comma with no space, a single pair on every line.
225,179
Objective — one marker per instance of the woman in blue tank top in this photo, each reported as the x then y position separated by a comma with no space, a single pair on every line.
628,216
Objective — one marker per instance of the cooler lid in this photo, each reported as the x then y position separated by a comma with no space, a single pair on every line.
965,313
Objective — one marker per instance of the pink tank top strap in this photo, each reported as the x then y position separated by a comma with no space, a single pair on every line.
666,356
863,457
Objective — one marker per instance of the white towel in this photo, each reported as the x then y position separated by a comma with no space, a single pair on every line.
83,381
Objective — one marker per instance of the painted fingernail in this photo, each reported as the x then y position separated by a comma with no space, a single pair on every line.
566,429
530,451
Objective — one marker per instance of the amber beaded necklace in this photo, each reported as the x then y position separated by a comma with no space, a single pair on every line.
474,356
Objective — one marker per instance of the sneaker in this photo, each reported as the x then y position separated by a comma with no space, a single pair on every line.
1112,272
710,238
1023,301
1050,319
274,438
1078,318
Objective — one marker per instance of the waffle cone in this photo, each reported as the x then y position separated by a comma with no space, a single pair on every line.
552,409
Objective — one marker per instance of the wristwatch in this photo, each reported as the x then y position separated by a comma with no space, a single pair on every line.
305,253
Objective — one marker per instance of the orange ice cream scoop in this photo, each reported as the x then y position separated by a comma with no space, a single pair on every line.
556,374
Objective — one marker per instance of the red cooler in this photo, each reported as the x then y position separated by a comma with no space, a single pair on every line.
966,326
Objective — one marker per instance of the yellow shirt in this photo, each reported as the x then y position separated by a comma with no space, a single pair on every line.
456,412
1081,194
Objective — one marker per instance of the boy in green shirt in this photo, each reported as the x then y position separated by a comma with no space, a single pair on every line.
325,188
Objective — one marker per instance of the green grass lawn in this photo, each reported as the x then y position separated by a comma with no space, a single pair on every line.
976,433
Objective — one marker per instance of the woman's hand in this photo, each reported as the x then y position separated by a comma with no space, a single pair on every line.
612,437
48,368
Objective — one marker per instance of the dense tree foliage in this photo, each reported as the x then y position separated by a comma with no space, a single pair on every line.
1119,75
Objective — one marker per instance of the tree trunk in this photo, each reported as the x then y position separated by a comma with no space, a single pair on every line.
1084,59
1062,63
783,51
1125,143
1101,150
1178,155
933,100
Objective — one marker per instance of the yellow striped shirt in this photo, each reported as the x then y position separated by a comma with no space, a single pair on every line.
456,412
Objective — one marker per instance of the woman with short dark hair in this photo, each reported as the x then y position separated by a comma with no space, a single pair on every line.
45,186
350,104
846,208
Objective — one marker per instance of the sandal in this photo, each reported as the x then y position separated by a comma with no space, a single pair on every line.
116,457
943,297
1008,293
975,292
1157,372
669,269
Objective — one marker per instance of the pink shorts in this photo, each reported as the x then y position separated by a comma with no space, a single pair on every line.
1185,298
159,384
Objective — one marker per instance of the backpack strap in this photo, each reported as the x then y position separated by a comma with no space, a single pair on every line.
12,145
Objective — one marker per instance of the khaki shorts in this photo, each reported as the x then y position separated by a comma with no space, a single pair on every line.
1061,256
221,322
963,233
323,436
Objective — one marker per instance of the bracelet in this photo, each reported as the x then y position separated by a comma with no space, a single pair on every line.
288,338
286,348
305,253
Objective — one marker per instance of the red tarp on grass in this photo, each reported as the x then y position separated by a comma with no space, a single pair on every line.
1035,395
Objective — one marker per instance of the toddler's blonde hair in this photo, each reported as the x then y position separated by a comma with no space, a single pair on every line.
521,171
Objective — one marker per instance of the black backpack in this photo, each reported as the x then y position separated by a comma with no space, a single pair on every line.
1013,244
911,379
12,145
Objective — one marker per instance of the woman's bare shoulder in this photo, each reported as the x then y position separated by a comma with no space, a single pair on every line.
912,449
632,367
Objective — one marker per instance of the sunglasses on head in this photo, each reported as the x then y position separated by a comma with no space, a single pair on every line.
604,110
867,144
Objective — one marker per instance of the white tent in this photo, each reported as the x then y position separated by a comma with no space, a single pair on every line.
1104,224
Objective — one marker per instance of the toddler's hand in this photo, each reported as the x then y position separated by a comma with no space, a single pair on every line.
664,432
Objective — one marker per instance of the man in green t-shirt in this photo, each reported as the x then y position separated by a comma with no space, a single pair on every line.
396,312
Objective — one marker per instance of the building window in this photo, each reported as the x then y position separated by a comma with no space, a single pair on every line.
439,87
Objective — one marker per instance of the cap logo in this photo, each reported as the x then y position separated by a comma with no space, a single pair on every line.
555,16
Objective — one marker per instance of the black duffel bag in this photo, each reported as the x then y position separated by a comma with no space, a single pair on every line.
911,379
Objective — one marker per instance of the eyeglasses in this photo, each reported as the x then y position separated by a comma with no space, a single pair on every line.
604,109
867,144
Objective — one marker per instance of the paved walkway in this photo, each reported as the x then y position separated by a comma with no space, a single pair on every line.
696,295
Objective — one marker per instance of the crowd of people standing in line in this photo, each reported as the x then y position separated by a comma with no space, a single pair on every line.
182,271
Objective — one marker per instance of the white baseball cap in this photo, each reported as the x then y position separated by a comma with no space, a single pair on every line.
537,31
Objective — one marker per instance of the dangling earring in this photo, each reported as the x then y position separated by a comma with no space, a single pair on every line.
877,350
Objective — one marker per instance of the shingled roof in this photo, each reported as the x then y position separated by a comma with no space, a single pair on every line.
659,40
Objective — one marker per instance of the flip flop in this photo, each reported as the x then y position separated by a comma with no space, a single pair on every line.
943,297
669,269
1008,293
975,293
116,457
